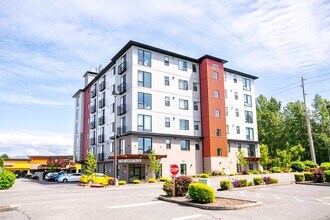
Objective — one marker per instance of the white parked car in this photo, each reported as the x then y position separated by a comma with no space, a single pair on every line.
70,177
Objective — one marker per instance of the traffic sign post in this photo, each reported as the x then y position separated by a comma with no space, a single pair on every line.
174,169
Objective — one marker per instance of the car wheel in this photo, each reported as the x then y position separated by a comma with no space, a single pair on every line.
65,180
90,181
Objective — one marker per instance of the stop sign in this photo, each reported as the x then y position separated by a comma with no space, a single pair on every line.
174,169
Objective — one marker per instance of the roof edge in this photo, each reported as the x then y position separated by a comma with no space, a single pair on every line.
240,73
213,58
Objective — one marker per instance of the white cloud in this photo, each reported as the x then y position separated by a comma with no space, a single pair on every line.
29,100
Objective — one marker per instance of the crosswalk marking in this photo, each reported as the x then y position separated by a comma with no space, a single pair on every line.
297,199
323,201
276,197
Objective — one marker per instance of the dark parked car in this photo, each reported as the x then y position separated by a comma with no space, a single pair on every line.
51,176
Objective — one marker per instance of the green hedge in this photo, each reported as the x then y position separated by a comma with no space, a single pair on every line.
299,177
152,180
309,163
225,184
327,175
164,179
257,180
201,193
122,182
309,176
325,166
298,166
7,179
204,175
136,181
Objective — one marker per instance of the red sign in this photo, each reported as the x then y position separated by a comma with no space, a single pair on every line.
174,169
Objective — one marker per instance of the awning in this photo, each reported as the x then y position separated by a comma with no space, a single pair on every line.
136,156
252,158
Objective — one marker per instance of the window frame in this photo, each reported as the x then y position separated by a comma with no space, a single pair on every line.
183,84
143,83
186,124
186,146
143,104
184,65
143,126
143,61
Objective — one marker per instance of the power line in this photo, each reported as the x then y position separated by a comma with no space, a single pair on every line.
281,88
318,76
316,81
318,91
285,90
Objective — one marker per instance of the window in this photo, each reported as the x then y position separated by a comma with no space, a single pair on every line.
247,100
194,69
215,75
195,86
185,144
144,58
235,78
196,125
219,152
77,113
236,95
225,93
246,84
248,117
184,124
144,145
183,84
216,94
183,104
167,80
144,79
144,123
228,147
167,101
215,66
238,130
113,71
217,113
227,128
225,75
113,87
112,109
249,134
166,61
236,112
197,145
112,126
218,132
167,122
144,100
239,146
182,65
250,166
77,101
195,106
226,111
168,143
183,168
76,128
251,150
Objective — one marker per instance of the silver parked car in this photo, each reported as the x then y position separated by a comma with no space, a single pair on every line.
69,177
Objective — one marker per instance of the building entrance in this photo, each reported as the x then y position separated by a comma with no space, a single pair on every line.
136,171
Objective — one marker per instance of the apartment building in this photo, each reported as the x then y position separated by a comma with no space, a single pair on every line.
192,112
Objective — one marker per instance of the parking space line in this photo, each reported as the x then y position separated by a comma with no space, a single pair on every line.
297,199
188,217
276,197
134,205
242,193
258,195
323,201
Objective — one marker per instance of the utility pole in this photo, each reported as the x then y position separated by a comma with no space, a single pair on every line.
309,131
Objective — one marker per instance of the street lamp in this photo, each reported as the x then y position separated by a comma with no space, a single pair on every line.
115,93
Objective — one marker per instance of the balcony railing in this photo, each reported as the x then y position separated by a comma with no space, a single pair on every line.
121,88
92,125
122,68
121,109
100,157
93,93
121,130
101,120
101,103
101,138
102,86
93,109
92,141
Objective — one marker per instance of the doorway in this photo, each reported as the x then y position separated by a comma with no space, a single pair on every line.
136,171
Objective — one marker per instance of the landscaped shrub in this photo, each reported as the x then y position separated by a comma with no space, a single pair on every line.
168,187
7,179
205,175
244,171
327,175
152,180
201,193
256,172
136,181
299,177
164,179
307,169
257,180
318,175
249,183
309,176
265,172
250,172
240,182
232,174
298,166
275,170
286,170
122,182
181,186
310,163
225,184
112,181
274,180
325,166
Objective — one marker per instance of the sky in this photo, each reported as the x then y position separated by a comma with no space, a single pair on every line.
47,46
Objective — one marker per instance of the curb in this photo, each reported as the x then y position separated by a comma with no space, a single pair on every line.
203,206
258,186
313,184
9,208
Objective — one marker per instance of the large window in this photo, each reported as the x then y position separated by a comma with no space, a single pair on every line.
246,84
168,143
184,124
144,100
183,84
144,79
166,80
144,58
183,65
185,144
251,150
145,145
167,101
249,134
247,100
248,117
167,122
183,168
183,104
144,123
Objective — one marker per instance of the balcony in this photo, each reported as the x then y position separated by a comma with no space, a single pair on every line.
121,130
93,109
100,157
102,86
121,109
121,88
92,125
93,93
101,120
122,68
100,138
101,103
92,140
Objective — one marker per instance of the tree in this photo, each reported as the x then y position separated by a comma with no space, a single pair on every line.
283,158
296,152
154,164
264,156
90,164
4,156
1,163
241,158
51,168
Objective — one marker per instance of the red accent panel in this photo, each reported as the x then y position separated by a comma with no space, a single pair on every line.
85,141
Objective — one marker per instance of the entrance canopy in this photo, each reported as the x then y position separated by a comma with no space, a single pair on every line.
136,156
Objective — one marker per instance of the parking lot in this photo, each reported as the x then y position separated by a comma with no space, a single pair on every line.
40,200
